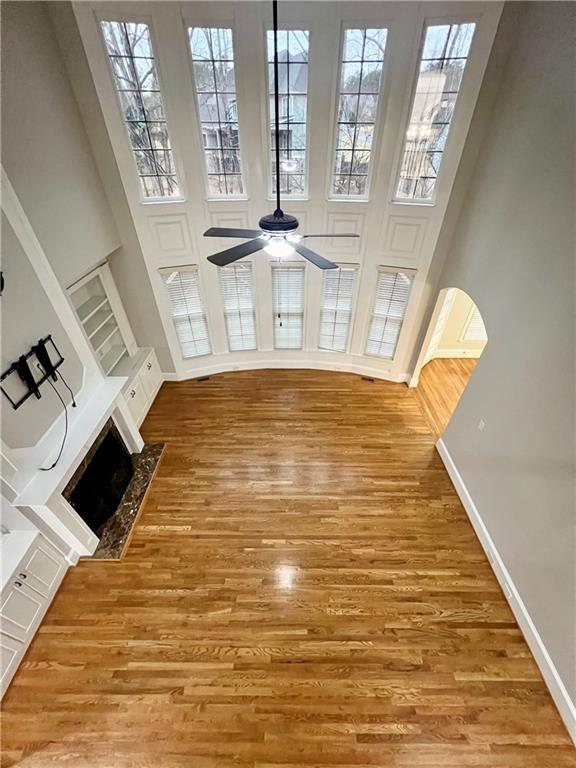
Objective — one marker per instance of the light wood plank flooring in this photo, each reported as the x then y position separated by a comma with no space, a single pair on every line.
440,386
303,589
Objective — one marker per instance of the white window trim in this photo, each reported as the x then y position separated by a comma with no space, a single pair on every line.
304,27
214,24
304,265
102,15
355,290
249,263
378,122
429,21
387,268
167,310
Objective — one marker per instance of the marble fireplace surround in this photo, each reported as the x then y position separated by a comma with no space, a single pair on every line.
108,430
115,532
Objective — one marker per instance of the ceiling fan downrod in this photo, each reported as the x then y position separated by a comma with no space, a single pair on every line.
277,234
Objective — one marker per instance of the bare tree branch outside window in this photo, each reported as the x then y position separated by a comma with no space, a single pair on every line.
132,61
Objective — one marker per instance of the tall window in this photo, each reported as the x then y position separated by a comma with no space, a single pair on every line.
288,306
132,60
444,55
293,89
187,308
360,77
213,60
392,291
238,299
337,296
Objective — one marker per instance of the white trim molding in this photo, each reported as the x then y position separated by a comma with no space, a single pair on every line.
566,707
279,362
443,353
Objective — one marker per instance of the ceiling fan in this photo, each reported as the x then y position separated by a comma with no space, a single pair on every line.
277,234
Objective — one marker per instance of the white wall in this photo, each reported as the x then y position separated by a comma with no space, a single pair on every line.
45,150
28,315
513,252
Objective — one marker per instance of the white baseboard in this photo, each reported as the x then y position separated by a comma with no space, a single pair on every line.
224,367
564,703
441,353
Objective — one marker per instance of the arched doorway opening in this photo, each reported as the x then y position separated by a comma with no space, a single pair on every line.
455,339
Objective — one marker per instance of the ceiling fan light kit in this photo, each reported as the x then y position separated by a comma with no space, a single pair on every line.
277,234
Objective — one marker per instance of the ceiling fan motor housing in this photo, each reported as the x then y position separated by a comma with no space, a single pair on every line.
278,223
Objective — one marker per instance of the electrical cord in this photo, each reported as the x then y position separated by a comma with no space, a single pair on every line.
67,387
47,469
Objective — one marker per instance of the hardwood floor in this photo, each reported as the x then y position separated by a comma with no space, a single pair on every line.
441,384
303,589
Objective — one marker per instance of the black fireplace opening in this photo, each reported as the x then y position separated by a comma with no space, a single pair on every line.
99,483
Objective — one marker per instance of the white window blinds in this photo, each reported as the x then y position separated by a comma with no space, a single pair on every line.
392,291
336,314
183,287
238,299
288,306
475,329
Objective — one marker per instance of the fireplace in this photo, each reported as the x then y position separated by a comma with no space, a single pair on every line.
98,485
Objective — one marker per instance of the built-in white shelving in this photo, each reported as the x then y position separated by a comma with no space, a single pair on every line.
102,316
96,314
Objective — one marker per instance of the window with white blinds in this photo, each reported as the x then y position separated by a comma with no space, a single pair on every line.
392,291
183,287
336,313
475,329
288,306
238,299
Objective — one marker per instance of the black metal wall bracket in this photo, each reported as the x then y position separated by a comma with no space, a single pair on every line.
22,369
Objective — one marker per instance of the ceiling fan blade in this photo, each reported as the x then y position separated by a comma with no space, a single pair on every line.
230,255
336,234
315,258
229,232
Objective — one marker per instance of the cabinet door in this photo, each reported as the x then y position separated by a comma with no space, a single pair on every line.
137,400
11,651
151,376
21,609
43,570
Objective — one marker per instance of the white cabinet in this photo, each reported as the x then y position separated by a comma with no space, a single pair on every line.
144,380
43,570
151,376
11,652
27,592
21,609
137,400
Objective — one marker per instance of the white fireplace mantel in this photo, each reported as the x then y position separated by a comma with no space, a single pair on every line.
41,491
